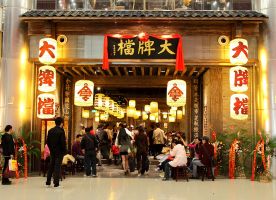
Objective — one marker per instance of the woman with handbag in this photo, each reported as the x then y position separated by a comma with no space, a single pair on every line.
8,152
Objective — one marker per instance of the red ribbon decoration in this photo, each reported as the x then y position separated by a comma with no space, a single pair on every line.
180,66
262,144
232,159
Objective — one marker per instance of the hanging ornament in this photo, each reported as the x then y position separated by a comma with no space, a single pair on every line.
153,107
147,108
85,114
47,51
46,106
132,103
84,90
99,101
238,51
238,79
239,106
176,93
46,79
130,111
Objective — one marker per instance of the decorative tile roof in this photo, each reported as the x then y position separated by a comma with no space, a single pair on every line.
178,14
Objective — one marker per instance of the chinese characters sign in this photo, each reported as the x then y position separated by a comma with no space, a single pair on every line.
47,51
238,51
134,48
45,106
176,93
239,106
47,79
84,90
239,79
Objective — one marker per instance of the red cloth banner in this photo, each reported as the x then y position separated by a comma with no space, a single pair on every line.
180,66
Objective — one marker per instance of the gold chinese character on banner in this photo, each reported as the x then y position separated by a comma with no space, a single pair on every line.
125,48
146,47
165,47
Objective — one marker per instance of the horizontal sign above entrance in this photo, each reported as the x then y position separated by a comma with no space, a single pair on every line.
135,48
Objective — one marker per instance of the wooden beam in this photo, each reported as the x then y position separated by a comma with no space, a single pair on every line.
126,71
134,71
151,69
175,73
84,71
200,71
192,71
167,72
184,71
76,71
159,71
101,71
69,72
143,71
118,71
92,70
110,72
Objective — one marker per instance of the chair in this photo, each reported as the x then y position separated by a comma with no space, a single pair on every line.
204,171
180,172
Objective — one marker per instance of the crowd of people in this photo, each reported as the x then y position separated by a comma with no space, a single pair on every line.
125,145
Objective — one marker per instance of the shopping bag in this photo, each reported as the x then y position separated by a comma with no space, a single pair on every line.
8,174
12,165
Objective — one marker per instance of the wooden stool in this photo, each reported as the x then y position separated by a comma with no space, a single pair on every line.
180,172
204,172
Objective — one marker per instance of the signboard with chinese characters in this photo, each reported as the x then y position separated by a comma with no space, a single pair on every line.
239,106
176,93
46,106
46,79
238,79
135,48
238,51
47,51
84,90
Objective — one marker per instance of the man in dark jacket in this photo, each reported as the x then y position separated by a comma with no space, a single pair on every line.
8,151
104,142
89,145
206,154
57,145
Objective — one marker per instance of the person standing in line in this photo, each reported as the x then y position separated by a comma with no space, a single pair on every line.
158,140
56,142
8,151
89,146
150,138
141,143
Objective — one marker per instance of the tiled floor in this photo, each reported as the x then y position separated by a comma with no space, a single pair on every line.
135,188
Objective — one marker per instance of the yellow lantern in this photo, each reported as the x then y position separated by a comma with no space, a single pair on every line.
239,106
137,114
183,110
106,103
132,103
99,101
176,93
165,115
238,79
47,79
104,117
97,114
131,111
152,117
179,114
97,119
85,114
171,118
144,115
173,112
84,90
238,51
111,106
46,106
153,107
147,108
47,51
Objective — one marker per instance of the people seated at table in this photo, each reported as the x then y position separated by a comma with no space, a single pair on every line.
178,156
205,156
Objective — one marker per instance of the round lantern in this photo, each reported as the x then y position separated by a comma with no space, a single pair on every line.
46,106
238,79
173,112
239,106
179,114
137,114
97,114
104,117
165,115
144,115
106,103
176,93
171,118
152,117
99,101
132,103
147,108
153,107
47,51
238,51
85,114
47,79
84,90
97,119
131,111
111,107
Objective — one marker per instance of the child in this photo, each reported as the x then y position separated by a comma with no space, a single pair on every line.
116,153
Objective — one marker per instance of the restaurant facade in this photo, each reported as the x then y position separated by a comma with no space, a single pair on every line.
130,51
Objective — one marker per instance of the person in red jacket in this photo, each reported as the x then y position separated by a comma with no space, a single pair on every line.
206,154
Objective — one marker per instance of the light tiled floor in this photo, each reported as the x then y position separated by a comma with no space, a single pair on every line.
135,188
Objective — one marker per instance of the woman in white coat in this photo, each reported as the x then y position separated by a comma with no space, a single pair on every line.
180,158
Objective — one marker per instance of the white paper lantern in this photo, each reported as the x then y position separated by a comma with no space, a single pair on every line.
239,106
84,90
153,107
179,114
144,115
152,117
111,107
47,79
132,103
46,106
176,93
85,114
137,114
106,103
47,51
238,51
147,108
171,118
99,101
239,79
131,111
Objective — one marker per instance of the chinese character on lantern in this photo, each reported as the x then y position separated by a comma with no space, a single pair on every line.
47,51
238,51
239,79
46,106
46,79
239,106
84,91
176,93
